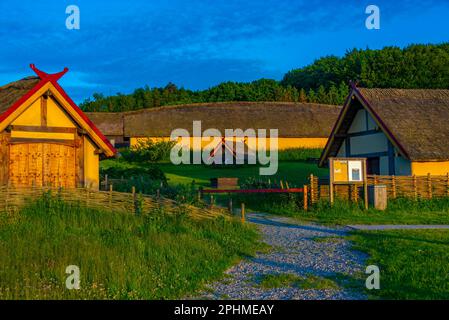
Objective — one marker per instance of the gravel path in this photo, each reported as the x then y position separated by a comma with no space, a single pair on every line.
295,250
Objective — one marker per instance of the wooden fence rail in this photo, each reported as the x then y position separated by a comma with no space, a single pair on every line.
415,187
12,199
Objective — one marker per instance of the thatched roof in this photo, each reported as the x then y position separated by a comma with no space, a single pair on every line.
110,123
292,119
418,119
13,91
415,120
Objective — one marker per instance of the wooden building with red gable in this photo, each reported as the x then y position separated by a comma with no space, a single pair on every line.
45,138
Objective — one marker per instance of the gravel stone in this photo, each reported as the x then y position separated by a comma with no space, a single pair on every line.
296,251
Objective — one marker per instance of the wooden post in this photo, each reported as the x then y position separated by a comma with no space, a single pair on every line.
312,190
306,205
211,201
331,181
243,212
429,186
200,195
110,196
106,181
158,194
393,186
365,185
134,199
415,187
230,206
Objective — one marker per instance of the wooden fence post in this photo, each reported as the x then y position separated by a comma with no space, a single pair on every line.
243,212
110,196
200,195
415,187
133,191
230,206
211,201
429,186
305,198
158,194
393,186
312,190
106,181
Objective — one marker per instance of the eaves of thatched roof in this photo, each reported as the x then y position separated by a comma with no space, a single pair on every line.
13,91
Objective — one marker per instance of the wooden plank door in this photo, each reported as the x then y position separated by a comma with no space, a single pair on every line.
25,164
59,165
42,164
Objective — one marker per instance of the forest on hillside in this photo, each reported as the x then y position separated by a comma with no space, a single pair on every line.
326,80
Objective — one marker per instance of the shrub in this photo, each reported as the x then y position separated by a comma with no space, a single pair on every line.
299,154
148,150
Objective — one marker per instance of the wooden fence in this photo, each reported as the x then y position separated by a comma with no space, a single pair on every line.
12,199
416,187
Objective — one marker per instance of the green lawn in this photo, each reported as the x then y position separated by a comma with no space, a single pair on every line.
414,264
296,173
120,256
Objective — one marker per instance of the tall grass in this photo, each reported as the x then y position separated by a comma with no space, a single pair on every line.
399,211
343,212
120,256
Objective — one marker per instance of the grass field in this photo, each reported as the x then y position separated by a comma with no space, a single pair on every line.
295,172
120,256
414,264
399,211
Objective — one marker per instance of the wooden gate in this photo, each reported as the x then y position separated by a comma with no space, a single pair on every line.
42,164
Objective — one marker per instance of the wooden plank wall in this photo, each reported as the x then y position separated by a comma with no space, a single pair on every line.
4,157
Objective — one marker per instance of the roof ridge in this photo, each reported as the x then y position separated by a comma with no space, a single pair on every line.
226,103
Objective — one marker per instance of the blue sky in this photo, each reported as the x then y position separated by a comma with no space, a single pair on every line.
122,45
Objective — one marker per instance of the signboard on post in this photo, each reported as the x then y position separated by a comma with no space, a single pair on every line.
348,171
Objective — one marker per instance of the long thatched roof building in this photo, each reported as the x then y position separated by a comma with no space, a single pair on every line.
400,131
298,124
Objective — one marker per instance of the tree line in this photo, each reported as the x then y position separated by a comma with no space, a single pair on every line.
415,66
260,90
324,81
